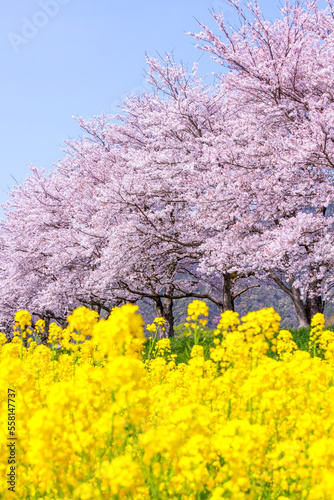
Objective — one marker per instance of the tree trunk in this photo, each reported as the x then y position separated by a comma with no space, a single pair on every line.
228,302
294,294
169,317
158,308
45,335
300,308
164,308
314,305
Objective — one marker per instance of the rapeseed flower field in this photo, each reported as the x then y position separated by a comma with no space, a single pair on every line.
251,419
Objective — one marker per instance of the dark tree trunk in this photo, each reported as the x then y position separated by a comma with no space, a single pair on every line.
158,309
304,311
313,306
164,308
169,317
45,334
228,302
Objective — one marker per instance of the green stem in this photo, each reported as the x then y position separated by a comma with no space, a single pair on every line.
196,331
152,342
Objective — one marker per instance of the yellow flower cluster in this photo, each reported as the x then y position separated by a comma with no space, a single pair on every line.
40,326
55,334
197,308
320,339
97,422
160,321
153,328
285,344
248,340
23,319
229,321
82,320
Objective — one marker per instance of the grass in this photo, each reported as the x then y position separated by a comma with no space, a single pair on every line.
301,337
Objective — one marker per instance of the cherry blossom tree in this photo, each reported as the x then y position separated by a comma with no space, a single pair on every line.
114,222
274,176
151,249
41,269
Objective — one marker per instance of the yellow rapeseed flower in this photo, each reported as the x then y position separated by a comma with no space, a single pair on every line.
23,319
197,308
98,422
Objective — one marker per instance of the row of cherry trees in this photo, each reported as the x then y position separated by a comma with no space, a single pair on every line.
192,190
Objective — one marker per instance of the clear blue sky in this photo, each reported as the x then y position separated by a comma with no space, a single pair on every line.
81,59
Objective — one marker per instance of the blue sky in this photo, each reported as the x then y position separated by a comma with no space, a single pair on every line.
80,57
